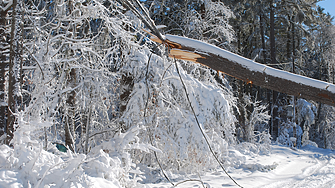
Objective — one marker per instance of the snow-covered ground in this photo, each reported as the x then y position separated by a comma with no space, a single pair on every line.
283,168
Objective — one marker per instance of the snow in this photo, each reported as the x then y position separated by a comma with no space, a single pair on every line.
283,168
9,179
101,183
249,64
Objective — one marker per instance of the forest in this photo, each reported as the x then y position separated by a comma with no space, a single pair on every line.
86,91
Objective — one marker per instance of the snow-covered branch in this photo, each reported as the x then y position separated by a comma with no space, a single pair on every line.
249,71
7,7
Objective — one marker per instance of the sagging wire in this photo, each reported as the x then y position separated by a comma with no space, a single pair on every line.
151,134
202,132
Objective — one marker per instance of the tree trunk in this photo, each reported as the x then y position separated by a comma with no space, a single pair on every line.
68,136
316,128
294,119
21,73
293,48
241,107
70,125
88,123
14,70
288,44
261,19
274,121
71,107
3,63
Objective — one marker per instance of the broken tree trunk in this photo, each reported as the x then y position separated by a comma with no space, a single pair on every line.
248,70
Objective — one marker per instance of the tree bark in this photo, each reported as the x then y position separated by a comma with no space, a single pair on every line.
13,71
88,123
316,127
70,116
3,63
261,20
241,107
70,125
274,120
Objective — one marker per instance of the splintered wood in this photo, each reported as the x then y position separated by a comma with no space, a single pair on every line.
184,55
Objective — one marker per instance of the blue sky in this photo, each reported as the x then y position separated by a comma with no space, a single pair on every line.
329,6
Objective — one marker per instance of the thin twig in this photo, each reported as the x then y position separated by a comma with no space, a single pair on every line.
138,14
146,19
202,132
105,131
37,61
162,79
152,23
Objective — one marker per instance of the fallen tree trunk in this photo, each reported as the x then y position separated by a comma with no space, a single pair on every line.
248,70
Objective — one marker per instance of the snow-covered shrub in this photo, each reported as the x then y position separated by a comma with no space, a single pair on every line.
305,115
234,158
260,167
32,165
254,131
292,134
36,167
158,95
325,128
287,131
260,145
309,143
112,160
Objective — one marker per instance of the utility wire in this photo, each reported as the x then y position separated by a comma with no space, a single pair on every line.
202,132
151,134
